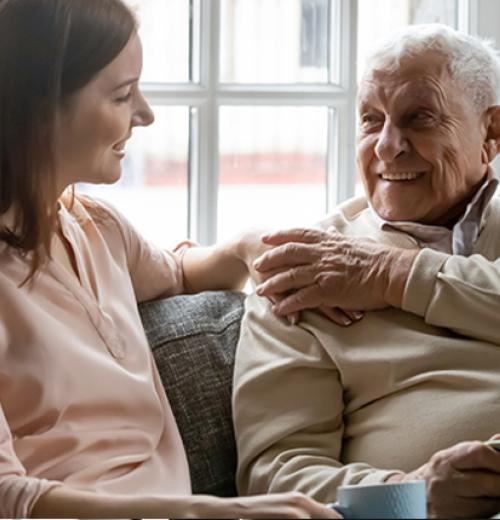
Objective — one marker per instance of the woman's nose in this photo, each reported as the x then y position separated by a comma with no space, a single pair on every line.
143,115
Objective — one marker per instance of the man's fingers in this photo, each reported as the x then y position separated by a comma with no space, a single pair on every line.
476,484
287,255
293,318
259,278
474,456
337,315
354,315
307,298
304,235
293,278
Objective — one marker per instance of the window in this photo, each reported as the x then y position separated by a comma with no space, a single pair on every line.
378,17
254,105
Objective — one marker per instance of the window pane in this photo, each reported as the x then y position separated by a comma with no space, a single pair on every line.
377,18
274,41
152,192
164,31
272,167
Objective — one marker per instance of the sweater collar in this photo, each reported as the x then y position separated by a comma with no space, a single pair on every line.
461,238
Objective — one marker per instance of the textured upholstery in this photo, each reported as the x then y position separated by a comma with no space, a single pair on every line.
193,338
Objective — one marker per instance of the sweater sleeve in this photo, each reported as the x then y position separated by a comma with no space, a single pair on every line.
288,411
456,292
155,272
18,492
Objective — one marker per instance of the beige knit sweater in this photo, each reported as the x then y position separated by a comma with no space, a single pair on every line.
317,405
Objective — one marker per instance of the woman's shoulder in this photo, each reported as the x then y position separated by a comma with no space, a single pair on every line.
84,208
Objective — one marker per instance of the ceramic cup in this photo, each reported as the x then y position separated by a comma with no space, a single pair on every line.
398,500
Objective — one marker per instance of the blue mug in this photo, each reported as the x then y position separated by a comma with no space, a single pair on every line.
398,500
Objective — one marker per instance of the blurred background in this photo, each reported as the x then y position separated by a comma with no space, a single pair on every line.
254,106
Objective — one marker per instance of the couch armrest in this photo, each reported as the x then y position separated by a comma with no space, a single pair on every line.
194,338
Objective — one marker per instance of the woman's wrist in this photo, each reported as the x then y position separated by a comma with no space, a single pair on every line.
206,506
238,247
237,252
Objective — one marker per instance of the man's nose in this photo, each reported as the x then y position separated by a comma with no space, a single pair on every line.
391,142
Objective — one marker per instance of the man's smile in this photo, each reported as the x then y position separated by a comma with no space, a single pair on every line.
401,176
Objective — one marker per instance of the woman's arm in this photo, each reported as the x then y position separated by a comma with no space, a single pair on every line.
63,502
222,266
67,503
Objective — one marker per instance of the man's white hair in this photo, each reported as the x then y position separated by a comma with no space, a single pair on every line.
474,63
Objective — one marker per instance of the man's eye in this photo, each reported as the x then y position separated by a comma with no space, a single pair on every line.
421,117
369,120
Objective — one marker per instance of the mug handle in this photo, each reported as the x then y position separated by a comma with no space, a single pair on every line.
344,511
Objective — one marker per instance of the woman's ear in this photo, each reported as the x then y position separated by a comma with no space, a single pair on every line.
492,141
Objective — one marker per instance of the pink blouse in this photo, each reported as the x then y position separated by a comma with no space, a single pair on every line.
81,401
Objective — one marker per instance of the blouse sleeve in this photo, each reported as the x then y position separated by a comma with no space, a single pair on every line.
155,272
18,492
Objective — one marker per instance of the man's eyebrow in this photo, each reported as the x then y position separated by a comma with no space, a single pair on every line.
126,83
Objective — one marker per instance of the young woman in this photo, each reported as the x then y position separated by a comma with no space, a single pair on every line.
85,427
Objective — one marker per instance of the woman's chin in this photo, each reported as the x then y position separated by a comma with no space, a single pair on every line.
109,177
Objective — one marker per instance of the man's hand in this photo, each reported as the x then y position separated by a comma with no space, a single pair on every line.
331,270
462,481
250,246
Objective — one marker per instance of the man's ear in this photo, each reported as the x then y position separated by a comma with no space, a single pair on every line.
491,144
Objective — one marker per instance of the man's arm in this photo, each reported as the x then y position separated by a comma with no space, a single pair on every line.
288,419
459,293
455,292
288,411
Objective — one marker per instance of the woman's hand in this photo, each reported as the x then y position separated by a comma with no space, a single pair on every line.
462,481
225,265
279,505
248,247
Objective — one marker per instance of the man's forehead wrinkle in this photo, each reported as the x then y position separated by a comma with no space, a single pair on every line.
371,91
426,88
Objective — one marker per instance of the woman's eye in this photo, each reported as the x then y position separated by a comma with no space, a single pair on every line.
124,99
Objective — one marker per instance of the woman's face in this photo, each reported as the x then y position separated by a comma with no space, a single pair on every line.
95,124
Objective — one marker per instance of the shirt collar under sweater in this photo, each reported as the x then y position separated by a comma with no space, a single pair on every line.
461,238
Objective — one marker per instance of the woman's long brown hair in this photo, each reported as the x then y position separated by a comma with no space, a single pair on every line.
49,49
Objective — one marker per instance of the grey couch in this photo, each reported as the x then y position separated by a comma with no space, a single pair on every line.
193,338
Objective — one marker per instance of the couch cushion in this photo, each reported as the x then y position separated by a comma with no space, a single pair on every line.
193,338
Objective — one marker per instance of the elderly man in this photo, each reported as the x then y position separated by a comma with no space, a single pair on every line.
395,396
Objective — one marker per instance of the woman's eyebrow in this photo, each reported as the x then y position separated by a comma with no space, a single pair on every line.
126,83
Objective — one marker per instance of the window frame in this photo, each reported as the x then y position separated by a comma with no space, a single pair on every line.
206,96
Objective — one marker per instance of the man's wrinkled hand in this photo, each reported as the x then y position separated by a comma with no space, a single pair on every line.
312,269
461,482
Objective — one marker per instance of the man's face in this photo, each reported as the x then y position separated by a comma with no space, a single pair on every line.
420,142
